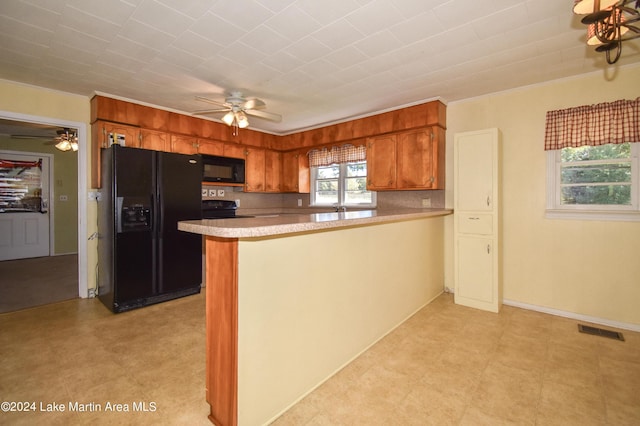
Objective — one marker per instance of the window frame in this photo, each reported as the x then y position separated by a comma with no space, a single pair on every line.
342,177
555,210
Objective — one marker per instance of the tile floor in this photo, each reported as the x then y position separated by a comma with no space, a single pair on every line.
446,365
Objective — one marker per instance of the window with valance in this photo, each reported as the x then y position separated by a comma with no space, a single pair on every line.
337,155
339,177
612,122
592,161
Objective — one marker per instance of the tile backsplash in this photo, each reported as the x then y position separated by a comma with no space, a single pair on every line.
261,202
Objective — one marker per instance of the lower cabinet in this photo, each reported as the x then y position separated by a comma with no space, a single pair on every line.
475,272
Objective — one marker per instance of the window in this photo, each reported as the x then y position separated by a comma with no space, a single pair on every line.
342,184
599,182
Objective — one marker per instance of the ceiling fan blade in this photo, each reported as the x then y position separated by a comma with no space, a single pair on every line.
254,104
31,136
211,101
210,111
266,115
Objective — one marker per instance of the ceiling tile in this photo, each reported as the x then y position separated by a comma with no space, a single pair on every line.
315,61
292,23
265,39
374,16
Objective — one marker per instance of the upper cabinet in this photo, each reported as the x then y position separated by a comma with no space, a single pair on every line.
152,139
295,172
381,162
408,160
405,147
254,170
193,145
273,171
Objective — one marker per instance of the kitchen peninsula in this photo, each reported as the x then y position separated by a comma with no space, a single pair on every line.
293,298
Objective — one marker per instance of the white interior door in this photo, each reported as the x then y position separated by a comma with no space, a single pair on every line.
24,205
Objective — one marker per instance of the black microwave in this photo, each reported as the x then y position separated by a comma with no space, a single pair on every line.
222,169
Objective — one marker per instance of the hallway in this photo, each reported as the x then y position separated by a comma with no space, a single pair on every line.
37,281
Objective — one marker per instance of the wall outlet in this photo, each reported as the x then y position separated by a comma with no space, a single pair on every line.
64,198
237,203
220,192
212,193
299,202
426,202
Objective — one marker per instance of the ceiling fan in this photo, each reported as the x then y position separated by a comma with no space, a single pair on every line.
66,140
237,107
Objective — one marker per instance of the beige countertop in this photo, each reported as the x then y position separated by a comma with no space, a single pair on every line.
287,223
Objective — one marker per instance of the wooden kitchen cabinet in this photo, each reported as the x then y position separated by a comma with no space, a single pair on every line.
477,252
184,144
273,171
102,133
210,147
415,156
381,162
406,160
295,172
254,170
152,139
234,151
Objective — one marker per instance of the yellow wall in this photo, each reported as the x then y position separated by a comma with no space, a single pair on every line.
310,303
34,101
585,267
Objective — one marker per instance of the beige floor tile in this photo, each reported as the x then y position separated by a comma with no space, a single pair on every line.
447,364
527,353
571,365
564,404
507,393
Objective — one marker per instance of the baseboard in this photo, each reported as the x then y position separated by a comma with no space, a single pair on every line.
573,315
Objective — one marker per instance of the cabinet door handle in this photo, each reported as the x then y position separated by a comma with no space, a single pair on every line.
488,248
474,218
488,201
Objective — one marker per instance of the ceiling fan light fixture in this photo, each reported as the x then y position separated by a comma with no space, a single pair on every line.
241,120
229,118
64,145
66,141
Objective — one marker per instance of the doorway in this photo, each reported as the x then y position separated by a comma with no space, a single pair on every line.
70,254
25,205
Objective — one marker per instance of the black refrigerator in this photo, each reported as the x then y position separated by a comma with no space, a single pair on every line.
142,256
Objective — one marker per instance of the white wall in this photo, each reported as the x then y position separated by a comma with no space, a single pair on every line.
585,267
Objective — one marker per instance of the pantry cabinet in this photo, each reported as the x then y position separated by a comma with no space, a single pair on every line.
409,160
477,248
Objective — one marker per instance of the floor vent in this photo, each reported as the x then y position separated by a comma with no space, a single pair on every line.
600,332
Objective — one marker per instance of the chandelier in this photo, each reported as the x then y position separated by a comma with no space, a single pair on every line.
609,23
66,140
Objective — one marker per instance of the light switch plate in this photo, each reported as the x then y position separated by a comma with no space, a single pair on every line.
204,192
220,192
212,193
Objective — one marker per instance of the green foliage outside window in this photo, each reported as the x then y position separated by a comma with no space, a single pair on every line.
596,175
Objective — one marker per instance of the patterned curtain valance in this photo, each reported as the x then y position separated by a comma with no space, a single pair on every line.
337,155
600,124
